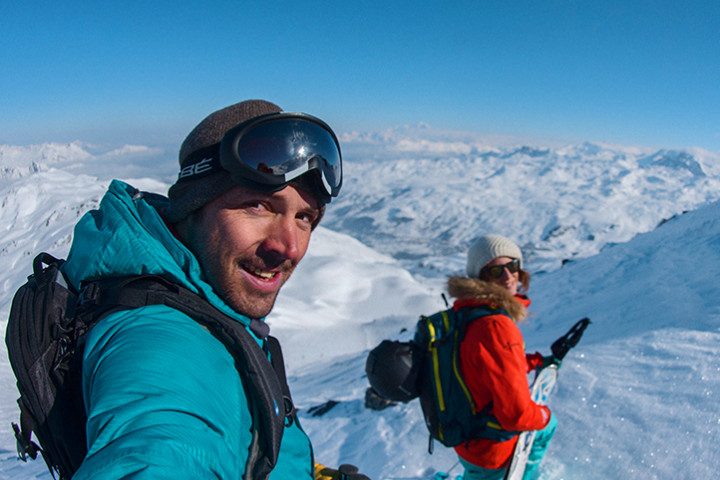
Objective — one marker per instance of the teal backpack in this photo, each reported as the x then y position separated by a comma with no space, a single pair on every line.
450,412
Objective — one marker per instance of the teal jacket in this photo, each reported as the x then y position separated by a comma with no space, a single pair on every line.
162,395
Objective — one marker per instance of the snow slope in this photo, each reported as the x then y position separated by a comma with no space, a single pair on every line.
602,226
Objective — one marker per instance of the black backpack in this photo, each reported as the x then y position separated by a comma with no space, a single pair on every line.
428,368
45,337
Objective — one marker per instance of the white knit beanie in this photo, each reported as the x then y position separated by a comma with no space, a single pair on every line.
488,247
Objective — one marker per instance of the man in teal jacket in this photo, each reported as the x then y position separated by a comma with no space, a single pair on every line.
162,395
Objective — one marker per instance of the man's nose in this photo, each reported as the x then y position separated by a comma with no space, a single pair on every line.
282,239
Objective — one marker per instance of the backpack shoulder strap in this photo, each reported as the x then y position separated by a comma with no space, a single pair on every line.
265,385
278,364
473,313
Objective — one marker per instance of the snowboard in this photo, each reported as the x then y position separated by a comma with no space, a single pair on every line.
542,386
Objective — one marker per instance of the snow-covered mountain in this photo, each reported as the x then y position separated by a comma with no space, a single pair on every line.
603,227
424,199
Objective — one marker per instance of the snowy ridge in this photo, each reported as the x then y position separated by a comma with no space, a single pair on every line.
429,198
127,161
25,160
637,397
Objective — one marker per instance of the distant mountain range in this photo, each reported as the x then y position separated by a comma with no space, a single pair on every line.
422,195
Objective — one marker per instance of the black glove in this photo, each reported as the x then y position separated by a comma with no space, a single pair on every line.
344,472
350,472
563,344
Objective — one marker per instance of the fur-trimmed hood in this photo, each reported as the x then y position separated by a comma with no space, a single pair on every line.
474,289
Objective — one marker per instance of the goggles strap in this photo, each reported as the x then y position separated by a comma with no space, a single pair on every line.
201,163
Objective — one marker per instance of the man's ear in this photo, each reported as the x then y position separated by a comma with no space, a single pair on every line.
184,227
321,212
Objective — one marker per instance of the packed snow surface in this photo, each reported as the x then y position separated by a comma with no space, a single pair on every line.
628,236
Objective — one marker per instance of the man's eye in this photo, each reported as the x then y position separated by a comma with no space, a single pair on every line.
307,217
254,205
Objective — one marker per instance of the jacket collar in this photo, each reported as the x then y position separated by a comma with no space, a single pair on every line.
473,292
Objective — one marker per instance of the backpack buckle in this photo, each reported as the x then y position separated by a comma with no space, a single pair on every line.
25,447
88,294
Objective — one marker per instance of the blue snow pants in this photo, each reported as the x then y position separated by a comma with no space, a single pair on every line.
537,452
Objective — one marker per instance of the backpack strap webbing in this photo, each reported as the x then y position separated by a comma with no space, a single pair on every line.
264,383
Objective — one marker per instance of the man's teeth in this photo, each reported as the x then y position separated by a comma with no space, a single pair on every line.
265,275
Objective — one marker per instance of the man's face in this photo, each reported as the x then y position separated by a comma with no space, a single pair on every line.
249,242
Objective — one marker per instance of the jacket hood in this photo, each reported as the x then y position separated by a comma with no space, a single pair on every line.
479,292
127,235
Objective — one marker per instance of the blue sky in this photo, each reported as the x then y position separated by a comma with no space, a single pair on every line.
621,71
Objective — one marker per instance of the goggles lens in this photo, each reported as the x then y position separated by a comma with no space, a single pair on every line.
496,271
274,149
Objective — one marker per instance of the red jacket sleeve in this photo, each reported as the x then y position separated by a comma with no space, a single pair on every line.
495,367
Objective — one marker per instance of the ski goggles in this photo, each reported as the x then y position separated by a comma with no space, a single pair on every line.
268,152
274,149
496,271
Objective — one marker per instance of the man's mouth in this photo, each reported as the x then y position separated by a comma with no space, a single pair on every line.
260,273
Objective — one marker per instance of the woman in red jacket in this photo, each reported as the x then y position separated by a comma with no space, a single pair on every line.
493,359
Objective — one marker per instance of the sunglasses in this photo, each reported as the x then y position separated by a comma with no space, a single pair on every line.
268,152
496,271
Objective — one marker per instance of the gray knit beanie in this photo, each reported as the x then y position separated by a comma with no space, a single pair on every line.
487,248
187,197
